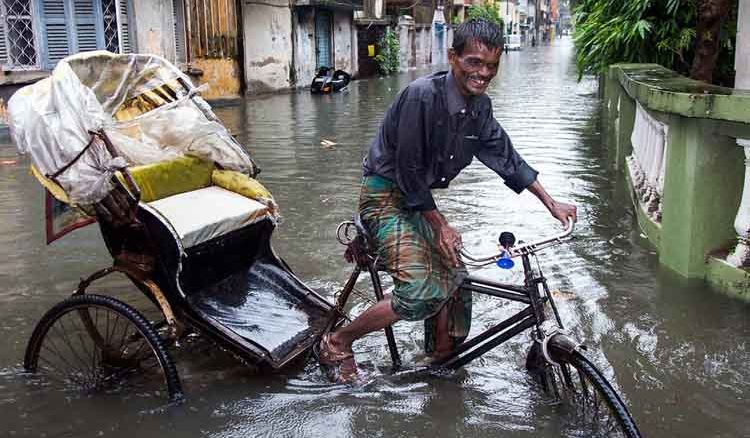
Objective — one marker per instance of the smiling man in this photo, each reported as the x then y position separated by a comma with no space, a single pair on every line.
433,130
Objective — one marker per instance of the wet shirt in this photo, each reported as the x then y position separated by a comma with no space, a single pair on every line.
431,132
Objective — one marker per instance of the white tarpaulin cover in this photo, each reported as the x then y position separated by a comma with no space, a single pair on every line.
52,120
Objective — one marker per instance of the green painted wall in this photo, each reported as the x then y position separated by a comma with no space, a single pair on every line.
704,172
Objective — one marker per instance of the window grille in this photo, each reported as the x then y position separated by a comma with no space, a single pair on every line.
111,40
37,34
18,49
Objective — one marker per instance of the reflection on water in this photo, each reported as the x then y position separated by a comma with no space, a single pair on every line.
676,350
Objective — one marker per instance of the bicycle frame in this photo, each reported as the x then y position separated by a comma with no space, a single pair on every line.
534,293
531,316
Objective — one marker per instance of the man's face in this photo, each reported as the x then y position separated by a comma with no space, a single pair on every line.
474,68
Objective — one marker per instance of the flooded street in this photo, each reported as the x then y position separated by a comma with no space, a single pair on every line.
676,350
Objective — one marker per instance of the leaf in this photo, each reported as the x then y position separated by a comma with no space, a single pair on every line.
672,6
643,27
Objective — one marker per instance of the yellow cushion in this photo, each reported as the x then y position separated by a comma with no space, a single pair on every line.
167,178
244,185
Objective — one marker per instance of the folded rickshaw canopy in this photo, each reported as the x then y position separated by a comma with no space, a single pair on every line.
146,107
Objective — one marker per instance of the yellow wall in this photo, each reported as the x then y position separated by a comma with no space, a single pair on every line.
223,77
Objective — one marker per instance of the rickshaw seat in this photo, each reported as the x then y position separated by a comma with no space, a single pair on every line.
185,194
200,215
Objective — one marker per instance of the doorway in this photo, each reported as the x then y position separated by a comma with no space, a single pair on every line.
323,49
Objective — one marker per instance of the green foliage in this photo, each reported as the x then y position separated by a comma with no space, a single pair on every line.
658,31
388,53
487,11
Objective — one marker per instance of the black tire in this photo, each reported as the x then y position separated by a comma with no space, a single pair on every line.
97,343
593,407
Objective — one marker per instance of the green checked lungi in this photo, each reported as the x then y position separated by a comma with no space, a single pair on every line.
423,281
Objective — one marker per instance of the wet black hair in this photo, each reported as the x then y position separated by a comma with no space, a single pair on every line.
478,30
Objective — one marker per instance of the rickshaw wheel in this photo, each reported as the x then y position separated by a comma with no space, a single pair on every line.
96,343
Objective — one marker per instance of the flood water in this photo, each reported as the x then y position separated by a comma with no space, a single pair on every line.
677,350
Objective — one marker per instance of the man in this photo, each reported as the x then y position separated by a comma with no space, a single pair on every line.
433,129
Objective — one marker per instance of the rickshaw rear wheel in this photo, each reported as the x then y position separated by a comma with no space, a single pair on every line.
96,343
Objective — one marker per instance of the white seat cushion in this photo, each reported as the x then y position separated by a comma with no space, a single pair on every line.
201,215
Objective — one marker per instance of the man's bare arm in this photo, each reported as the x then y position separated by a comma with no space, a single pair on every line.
559,210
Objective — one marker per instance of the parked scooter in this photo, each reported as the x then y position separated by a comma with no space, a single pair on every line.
329,81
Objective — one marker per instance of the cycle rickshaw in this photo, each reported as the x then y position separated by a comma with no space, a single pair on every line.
127,141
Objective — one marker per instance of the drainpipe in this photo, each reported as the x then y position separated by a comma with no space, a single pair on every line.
293,63
240,7
741,254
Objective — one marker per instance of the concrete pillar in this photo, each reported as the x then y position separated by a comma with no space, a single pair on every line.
437,34
405,30
373,9
703,181
742,56
612,91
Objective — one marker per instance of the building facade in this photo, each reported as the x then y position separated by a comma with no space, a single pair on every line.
286,43
233,46
200,36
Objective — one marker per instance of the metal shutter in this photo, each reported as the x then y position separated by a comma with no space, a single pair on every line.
178,10
3,42
85,26
124,26
55,31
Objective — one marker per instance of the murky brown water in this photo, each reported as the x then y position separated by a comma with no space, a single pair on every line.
677,350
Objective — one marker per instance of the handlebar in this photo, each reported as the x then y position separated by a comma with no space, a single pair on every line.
520,250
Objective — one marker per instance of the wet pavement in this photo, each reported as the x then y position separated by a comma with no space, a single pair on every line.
677,350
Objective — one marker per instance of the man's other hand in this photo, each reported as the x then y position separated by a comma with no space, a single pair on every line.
449,242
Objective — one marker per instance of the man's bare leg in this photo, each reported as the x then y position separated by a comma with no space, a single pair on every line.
377,317
443,341
380,316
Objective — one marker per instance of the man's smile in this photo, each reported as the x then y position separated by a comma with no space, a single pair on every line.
478,82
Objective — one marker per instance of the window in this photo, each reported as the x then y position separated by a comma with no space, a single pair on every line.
62,28
18,49
178,12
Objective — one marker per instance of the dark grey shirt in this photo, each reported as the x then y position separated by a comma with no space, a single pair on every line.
431,132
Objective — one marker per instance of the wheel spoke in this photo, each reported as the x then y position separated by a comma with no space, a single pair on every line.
58,354
67,342
92,370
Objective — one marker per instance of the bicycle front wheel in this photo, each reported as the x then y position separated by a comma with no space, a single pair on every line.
590,404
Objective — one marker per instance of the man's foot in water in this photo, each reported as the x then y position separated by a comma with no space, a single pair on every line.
338,363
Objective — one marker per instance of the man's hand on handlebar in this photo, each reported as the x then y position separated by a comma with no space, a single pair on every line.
563,212
559,210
